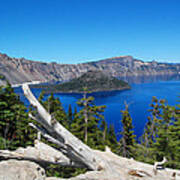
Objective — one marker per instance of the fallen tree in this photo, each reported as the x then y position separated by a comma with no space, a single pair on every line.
68,144
71,152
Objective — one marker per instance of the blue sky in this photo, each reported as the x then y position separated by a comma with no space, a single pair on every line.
74,31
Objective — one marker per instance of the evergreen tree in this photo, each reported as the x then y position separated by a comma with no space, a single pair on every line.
41,97
159,138
54,107
127,141
86,122
154,121
14,129
168,141
104,129
70,115
111,139
174,143
75,111
161,144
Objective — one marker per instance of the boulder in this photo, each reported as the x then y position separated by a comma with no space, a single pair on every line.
21,170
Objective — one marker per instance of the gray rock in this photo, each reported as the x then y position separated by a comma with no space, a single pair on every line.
18,71
21,170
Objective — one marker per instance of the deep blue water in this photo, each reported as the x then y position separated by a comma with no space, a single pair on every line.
138,97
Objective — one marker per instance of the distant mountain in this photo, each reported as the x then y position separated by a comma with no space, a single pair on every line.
93,81
19,70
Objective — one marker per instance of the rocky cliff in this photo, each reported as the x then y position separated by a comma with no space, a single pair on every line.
125,67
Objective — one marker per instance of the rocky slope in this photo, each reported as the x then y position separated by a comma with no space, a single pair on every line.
126,67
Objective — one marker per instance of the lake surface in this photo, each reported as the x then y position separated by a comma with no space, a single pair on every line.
138,97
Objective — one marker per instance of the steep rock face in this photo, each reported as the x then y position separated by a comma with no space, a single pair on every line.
22,70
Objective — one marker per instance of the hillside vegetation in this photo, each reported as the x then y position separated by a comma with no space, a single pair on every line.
93,81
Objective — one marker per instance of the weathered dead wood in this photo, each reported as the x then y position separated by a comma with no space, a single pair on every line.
41,154
47,136
120,168
72,147
159,165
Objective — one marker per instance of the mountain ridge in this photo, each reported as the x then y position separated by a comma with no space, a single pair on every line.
20,70
98,60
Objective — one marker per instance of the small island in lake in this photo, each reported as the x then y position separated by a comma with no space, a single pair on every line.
92,81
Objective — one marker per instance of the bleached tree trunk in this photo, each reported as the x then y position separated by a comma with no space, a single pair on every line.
69,145
41,153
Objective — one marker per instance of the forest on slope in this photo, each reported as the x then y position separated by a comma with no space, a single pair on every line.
92,81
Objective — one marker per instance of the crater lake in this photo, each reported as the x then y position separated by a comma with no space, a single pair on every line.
138,98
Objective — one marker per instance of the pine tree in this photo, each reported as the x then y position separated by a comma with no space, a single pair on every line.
174,144
161,144
75,111
151,129
154,121
54,107
86,122
41,97
70,115
104,129
127,141
159,138
14,129
168,140
111,139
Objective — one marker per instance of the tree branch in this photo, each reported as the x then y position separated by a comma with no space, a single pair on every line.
47,136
